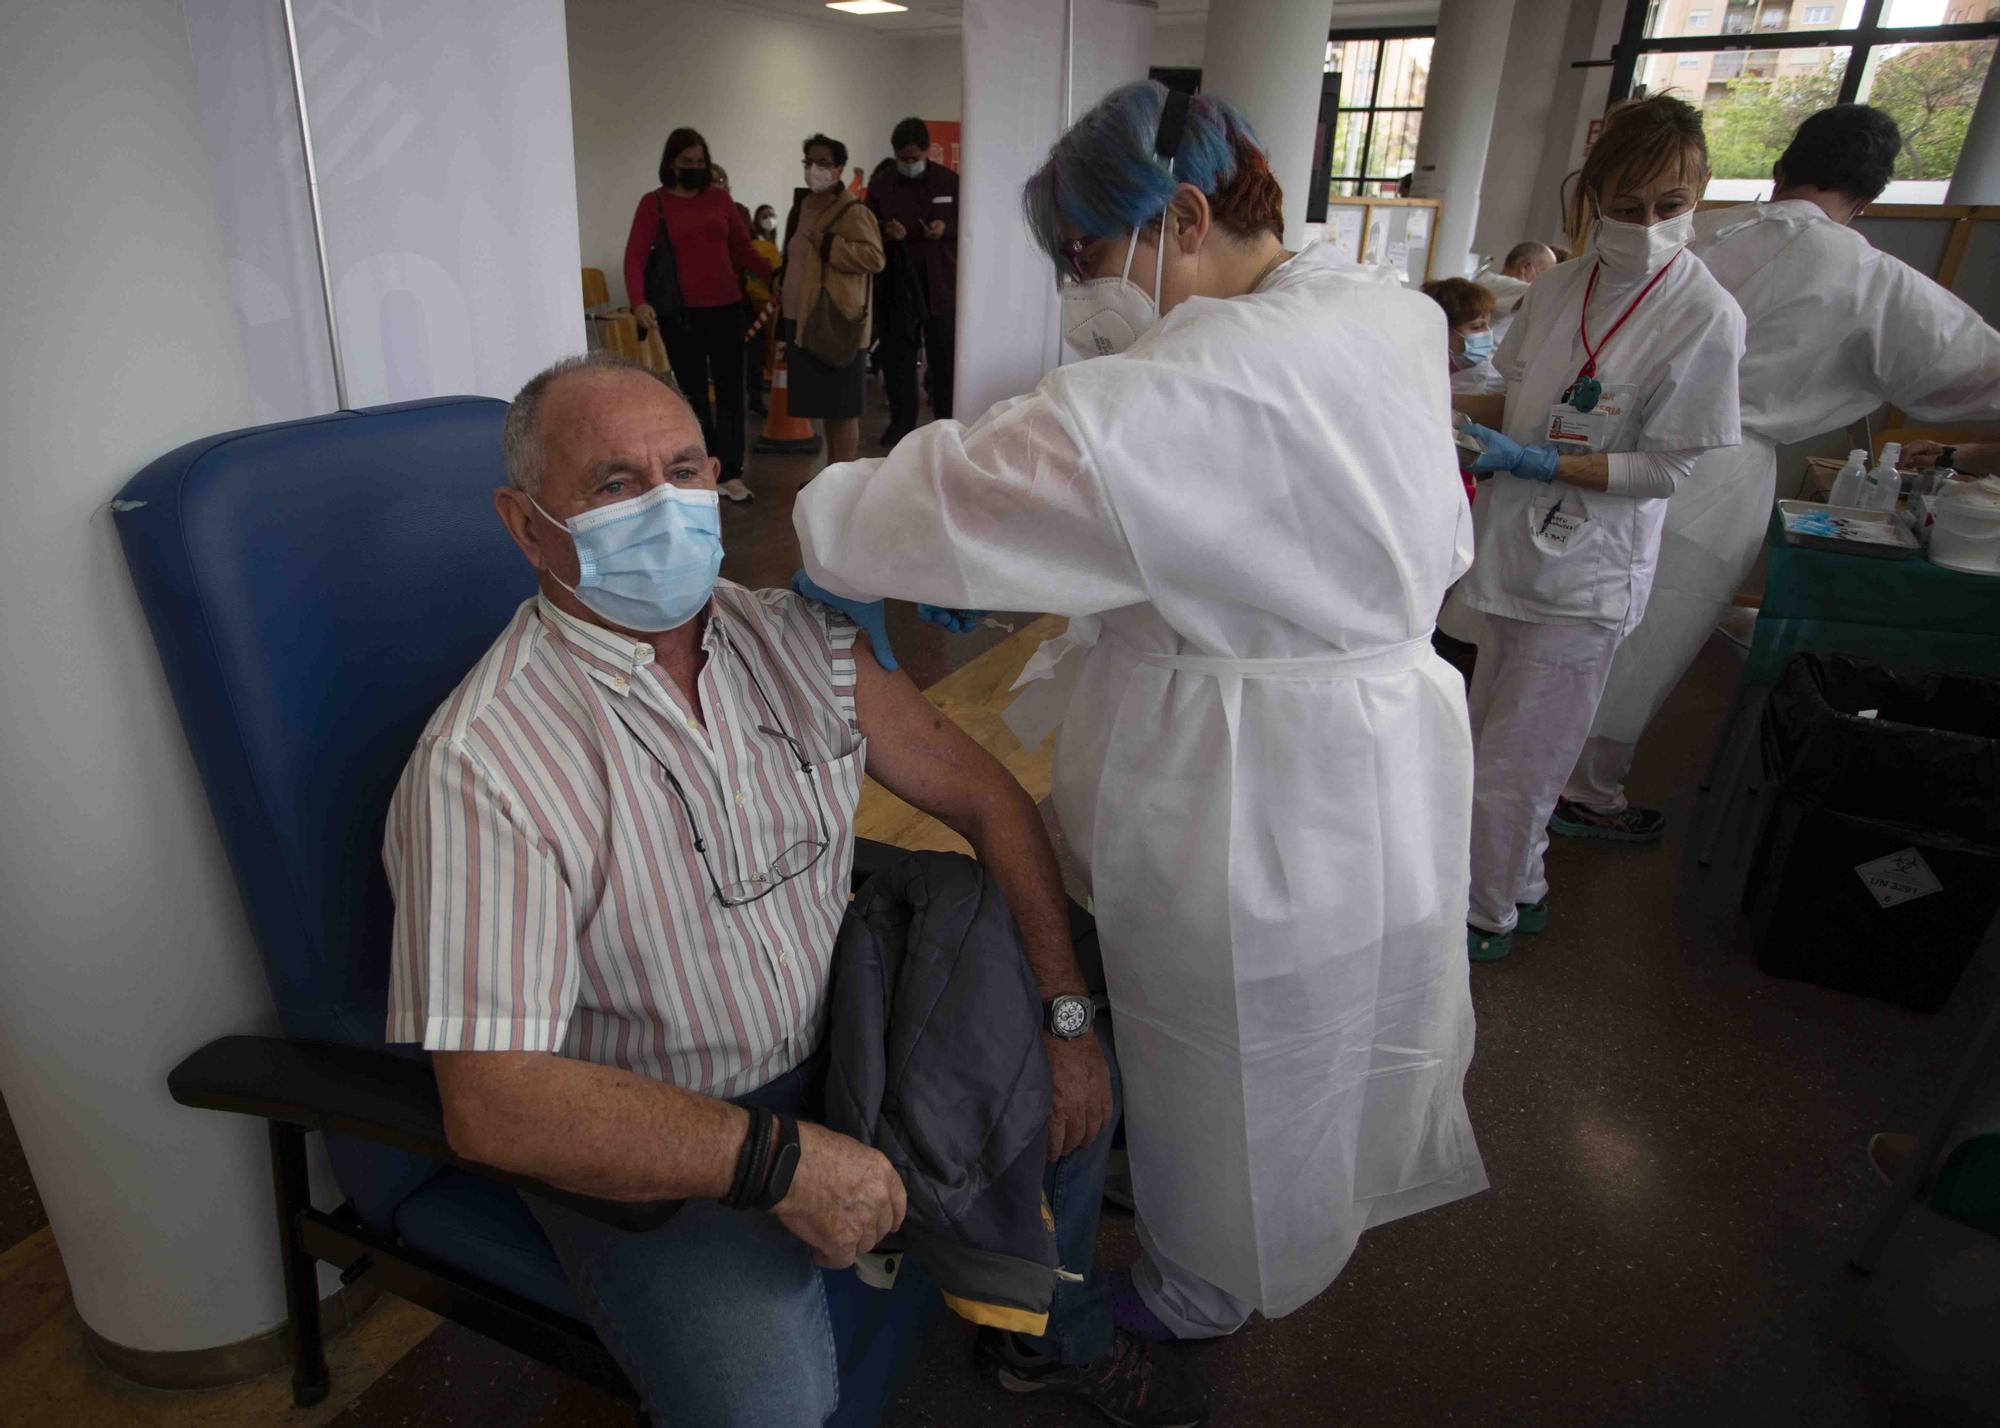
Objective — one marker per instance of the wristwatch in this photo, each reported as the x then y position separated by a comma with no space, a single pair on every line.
1068,1017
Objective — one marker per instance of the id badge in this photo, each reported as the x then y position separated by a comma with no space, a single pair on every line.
1573,430
1552,528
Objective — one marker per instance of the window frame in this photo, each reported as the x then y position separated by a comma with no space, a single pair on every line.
1867,35
1381,35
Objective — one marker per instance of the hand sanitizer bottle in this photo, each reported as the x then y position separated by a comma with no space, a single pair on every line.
1847,485
1881,486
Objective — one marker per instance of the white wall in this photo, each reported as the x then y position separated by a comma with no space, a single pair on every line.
754,84
124,946
933,78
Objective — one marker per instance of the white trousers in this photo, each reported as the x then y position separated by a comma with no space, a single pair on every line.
1184,1301
1534,693
1714,530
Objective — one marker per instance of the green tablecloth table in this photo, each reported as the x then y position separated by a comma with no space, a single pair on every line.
1905,613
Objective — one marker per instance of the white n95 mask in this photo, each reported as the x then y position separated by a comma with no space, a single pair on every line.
646,564
1106,315
1634,250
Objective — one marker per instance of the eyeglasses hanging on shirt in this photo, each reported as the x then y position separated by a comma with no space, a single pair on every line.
797,859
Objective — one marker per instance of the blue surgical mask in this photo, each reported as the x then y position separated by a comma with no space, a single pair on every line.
647,564
1479,345
913,169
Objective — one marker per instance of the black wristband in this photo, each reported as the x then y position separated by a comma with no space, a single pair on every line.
751,1159
779,1165
1948,457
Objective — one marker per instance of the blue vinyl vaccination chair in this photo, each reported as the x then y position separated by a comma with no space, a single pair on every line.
316,589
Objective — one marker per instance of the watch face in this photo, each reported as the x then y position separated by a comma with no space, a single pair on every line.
1069,1017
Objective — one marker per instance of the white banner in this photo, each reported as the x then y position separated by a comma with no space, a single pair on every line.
447,187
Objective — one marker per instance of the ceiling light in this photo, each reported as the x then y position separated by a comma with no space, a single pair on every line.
867,7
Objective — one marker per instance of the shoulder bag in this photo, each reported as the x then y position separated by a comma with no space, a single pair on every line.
827,332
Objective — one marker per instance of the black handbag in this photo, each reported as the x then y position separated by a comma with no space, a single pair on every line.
827,332
663,278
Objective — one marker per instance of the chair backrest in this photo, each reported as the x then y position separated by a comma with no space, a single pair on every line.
596,291
316,589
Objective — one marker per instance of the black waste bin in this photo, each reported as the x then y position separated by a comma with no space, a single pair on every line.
1878,869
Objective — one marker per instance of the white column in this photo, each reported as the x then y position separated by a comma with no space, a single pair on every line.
1459,108
125,947
1977,178
1029,66
1526,121
1268,58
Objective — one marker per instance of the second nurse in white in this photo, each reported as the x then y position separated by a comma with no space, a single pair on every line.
1620,372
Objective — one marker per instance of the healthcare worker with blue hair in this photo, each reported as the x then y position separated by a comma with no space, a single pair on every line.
1246,500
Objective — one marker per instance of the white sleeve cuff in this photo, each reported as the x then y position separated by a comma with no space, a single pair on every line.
1648,473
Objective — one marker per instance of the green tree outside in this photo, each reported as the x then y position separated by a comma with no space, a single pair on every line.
1929,90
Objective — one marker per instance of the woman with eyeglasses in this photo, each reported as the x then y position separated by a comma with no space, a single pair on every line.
832,254
1244,495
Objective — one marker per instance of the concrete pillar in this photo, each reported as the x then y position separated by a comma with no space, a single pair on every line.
1268,57
1459,108
125,947
1525,121
1977,178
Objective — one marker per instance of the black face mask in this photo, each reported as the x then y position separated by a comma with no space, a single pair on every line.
694,180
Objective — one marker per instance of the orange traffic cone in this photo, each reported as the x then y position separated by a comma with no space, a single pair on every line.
782,430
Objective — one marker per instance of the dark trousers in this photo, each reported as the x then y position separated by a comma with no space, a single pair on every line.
710,350
899,370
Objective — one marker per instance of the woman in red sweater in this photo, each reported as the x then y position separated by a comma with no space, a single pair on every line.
711,249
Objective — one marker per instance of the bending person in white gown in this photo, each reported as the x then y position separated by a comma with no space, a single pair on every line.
1836,328
1250,508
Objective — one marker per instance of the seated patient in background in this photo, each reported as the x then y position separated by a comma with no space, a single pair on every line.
617,892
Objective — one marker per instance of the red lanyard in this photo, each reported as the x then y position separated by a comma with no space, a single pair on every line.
1589,368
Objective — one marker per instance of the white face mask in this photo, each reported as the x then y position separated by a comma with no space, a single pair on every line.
1634,250
913,169
819,180
1106,315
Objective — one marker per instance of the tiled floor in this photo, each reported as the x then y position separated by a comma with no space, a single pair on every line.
1675,1143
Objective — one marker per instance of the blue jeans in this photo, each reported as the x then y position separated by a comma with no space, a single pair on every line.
1080,1316
720,1316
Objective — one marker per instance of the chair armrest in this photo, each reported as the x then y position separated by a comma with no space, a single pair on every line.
365,1091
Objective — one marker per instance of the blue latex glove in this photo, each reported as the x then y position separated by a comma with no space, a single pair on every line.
1503,453
959,622
870,616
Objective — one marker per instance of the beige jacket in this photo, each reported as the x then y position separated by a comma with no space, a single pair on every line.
856,256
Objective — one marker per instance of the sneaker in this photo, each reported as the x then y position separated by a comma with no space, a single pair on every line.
734,490
1135,1384
1484,946
1531,918
1631,825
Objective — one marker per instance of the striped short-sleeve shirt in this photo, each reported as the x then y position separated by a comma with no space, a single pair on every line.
550,891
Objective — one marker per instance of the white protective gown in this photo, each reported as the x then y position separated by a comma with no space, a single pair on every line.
1669,379
1251,517
1836,328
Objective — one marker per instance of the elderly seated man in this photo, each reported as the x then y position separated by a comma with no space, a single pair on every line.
620,854
1524,263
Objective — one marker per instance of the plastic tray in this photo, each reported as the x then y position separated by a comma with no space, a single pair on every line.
1871,533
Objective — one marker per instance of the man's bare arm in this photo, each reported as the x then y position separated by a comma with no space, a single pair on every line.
596,1130
926,760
